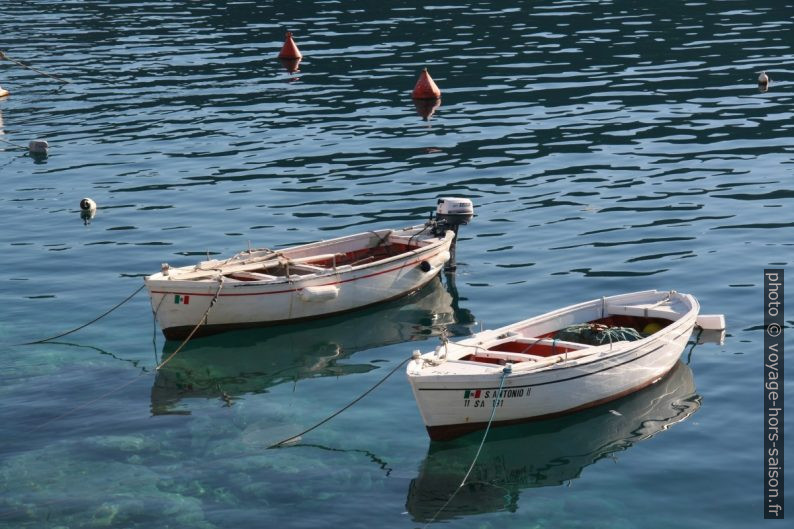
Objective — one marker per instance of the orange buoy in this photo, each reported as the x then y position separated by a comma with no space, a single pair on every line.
289,50
425,87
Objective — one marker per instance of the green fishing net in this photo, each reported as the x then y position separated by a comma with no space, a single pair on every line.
589,334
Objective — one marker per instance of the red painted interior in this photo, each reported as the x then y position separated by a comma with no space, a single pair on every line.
535,349
546,350
366,255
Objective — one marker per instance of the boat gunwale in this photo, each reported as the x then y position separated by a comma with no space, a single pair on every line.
525,368
466,377
154,281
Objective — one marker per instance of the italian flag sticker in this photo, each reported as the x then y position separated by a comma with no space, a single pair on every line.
181,300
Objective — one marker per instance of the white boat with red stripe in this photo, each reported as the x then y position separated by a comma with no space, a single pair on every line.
560,362
260,287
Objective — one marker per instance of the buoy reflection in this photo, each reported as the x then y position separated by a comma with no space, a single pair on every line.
291,65
426,107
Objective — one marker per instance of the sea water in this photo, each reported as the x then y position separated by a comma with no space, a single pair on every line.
608,146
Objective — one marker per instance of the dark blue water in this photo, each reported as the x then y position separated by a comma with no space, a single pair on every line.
608,146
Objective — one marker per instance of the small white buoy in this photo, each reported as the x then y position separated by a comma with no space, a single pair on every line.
38,146
3,92
87,205
87,210
763,82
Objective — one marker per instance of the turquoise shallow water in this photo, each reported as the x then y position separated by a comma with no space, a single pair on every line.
608,147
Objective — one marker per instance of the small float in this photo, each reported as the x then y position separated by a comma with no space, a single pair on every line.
262,286
560,362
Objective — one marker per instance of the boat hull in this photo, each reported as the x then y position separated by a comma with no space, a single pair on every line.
546,453
453,404
179,306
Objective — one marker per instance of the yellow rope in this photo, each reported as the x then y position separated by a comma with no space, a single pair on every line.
199,324
119,388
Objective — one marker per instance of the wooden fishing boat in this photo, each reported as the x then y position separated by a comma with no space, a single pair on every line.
262,286
258,360
560,362
546,453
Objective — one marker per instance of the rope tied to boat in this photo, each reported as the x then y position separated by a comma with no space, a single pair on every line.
444,337
196,328
250,251
505,372
697,339
89,323
420,232
14,144
6,57
295,438
381,240
128,383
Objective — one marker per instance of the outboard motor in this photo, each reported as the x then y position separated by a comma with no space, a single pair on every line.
451,213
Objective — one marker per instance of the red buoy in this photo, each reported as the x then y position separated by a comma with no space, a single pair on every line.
425,87
289,50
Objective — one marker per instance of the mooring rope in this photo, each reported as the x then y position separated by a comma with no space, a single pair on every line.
119,388
14,144
6,57
381,240
89,323
506,371
199,324
381,381
689,355
417,234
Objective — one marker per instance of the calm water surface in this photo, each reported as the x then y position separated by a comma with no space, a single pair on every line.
608,146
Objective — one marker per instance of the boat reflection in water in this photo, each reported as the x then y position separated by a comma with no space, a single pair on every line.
544,453
251,361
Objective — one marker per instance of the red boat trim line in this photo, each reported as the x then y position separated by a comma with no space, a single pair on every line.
182,331
297,289
450,431
563,379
